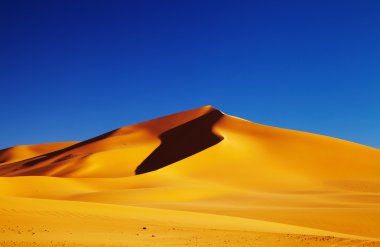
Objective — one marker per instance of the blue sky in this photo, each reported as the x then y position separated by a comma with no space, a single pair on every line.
70,70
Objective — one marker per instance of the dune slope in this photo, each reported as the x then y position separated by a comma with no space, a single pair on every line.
13,154
200,164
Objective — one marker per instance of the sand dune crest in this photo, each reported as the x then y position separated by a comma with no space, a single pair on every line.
205,174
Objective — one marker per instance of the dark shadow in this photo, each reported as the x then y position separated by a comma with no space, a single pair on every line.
183,141
61,151
2,151
19,165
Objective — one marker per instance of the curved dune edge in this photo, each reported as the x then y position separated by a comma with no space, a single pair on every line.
19,153
70,161
160,142
219,176
183,141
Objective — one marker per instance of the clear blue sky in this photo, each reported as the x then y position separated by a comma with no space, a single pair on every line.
71,70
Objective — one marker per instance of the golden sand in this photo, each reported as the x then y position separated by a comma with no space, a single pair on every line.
196,178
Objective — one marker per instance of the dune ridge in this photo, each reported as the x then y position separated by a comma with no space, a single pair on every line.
183,141
18,153
214,168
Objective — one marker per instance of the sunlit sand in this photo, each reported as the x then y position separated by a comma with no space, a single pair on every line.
195,178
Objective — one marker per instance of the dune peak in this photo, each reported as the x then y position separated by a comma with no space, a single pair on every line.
183,141
196,160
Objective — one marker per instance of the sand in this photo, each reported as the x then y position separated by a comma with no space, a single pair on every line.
195,178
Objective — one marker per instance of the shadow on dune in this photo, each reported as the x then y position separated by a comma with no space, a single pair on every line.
58,152
176,144
20,165
2,152
183,141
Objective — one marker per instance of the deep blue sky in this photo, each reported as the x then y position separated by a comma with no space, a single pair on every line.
70,70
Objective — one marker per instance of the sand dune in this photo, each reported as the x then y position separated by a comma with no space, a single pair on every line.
212,177
18,153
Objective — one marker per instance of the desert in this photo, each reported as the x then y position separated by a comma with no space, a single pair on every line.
195,178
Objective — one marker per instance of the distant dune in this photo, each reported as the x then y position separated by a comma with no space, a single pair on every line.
196,178
24,152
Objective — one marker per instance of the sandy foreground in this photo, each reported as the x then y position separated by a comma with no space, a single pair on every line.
41,222
196,178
